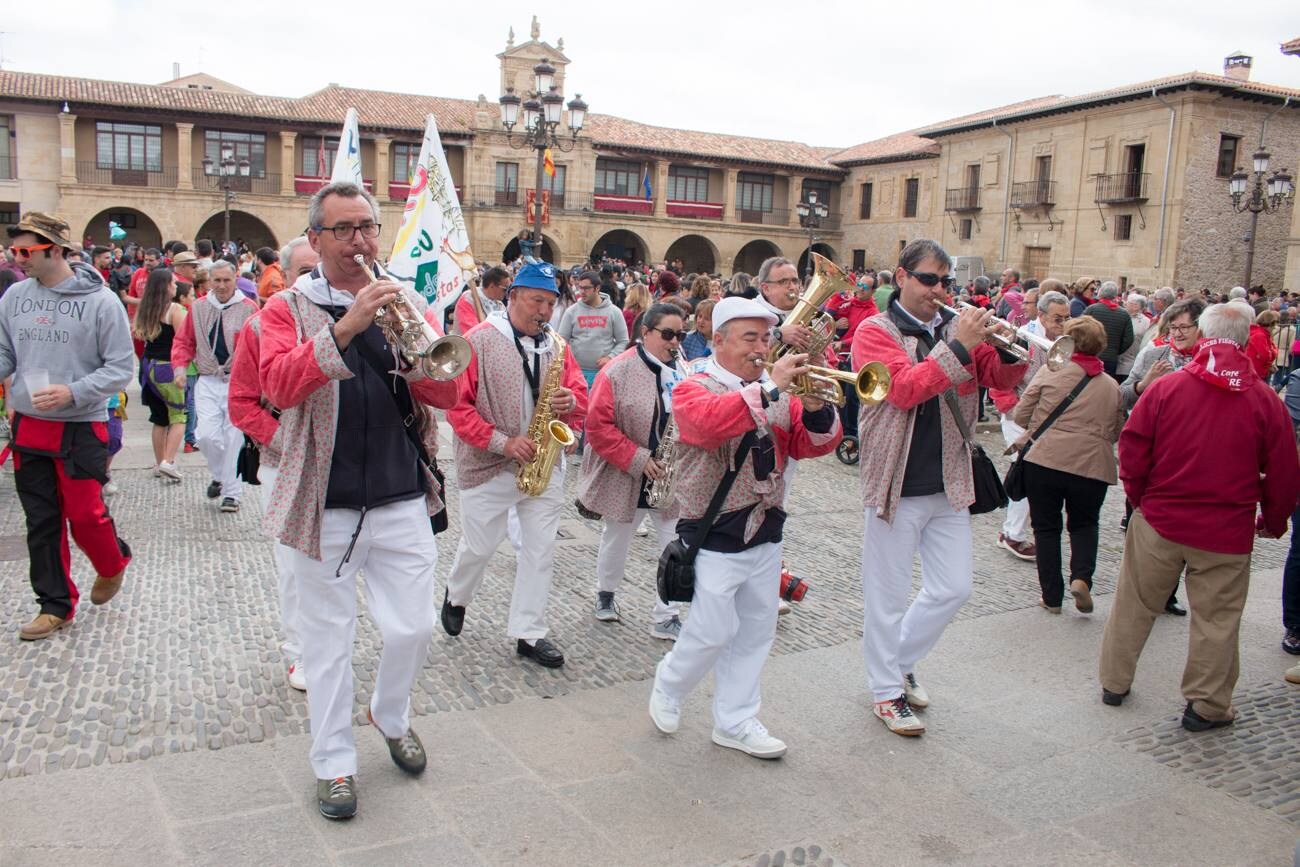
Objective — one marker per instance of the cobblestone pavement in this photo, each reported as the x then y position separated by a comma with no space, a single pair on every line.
793,856
187,657
1255,760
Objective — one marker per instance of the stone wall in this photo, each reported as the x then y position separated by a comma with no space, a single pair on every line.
886,232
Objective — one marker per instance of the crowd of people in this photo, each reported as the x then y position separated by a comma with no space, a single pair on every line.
685,400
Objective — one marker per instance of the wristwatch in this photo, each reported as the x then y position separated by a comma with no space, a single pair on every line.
776,334
773,393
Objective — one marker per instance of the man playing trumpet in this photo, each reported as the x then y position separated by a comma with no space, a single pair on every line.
498,396
735,411
354,489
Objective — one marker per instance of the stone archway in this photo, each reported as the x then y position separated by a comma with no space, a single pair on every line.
698,254
511,252
140,228
621,244
243,226
824,249
752,255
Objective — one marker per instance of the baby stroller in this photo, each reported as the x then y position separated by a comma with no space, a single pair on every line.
847,450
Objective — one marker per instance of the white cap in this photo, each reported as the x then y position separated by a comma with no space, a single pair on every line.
736,307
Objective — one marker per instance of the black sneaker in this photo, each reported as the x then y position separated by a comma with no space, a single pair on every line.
230,504
407,751
1291,642
337,798
1194,722
605,607
214,490
453,616
1114,699
1175,608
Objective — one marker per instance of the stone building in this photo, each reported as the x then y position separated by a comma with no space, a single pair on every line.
1125,183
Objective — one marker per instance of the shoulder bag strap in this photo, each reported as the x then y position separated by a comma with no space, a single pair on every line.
1056,413
724,488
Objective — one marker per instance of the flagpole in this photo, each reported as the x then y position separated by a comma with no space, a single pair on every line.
537,200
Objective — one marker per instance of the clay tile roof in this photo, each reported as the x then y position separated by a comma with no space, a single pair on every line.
387,110
1291,46
609,131
900,146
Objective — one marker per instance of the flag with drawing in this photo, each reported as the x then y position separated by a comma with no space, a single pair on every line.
347,162
431,251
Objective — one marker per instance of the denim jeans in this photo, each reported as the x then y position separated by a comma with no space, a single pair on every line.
191,417
1291,579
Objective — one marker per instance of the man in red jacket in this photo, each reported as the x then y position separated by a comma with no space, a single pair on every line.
1201,450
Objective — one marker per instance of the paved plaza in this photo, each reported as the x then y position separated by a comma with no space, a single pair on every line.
160,729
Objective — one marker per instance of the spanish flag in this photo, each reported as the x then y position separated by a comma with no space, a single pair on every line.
548,164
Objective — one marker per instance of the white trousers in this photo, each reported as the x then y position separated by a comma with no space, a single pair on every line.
483,518
730,630
219,440
611,562
395,548
291,649
1016,525
896,636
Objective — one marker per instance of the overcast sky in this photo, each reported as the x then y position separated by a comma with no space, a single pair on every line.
843,73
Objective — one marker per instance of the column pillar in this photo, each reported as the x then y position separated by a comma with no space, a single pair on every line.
67,148
382,174
796,193
661,188
729,195
288,162
184,156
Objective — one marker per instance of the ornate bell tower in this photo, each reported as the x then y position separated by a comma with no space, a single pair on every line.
517,61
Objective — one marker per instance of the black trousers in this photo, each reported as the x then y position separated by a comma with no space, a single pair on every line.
1049,491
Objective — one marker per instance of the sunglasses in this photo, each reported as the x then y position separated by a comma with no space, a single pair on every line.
669,334
26,252
928,279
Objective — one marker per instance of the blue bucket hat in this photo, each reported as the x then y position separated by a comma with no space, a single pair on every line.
536,275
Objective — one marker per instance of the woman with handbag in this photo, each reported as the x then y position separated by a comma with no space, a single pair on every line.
1074,417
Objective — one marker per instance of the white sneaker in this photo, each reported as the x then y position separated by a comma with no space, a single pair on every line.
664,712
753,739
897,716
783,607
157,473
110,489
297,678
167,469
914,692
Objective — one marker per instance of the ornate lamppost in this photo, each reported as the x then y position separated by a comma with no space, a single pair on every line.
1258,197
811,213
542,110
227,170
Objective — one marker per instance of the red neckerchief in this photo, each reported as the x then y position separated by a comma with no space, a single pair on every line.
1109,302
1091,364
1222,364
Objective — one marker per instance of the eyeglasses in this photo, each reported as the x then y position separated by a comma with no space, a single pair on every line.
1182,329
788,281
1056,320
669,334
26,252
927,279
347,231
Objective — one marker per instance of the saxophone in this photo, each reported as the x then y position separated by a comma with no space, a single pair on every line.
550,435
659,493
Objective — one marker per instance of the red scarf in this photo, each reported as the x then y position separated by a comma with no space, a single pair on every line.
1221,363
1091,364
1109,302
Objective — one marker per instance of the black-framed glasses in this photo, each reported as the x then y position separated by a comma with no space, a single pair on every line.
347,231
928,279
669,334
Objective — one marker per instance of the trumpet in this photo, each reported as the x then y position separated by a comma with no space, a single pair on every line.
1007,337
870,382
440,358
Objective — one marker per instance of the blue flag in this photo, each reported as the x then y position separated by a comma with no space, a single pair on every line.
645,184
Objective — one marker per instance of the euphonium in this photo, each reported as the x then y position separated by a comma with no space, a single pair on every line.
1058,350
549,435
440,358
827,280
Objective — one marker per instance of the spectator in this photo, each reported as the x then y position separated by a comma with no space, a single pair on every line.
185,266
152,259
492,289
1135,306
1204,519
635,303
272,279
698,343
979,293
849,312
1259,348
563,282
1291,572
884,288
1012,300
1072,463
1030,310
1284,338
102,260
668,285
594,328
8,278
156,324
203,249
1237,293
1118,325
701,287
1258,299
1085,289
610,286
740,285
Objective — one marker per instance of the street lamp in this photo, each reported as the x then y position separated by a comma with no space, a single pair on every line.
811,213
1255,198
543,111
227,170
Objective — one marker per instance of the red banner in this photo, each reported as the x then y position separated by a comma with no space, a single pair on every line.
529,198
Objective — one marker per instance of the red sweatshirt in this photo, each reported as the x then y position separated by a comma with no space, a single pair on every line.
1261,351
853,310
1204,446
244,400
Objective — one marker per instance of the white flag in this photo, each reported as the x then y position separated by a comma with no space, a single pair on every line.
431,251
347,162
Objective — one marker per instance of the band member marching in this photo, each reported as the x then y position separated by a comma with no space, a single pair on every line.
354,489
518,407
626,469
734,405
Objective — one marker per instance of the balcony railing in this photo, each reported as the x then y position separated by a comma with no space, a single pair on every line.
93,173
775,217
9,168
695,210
623,204
263,185
1033,194
1125,187
962,199
306,185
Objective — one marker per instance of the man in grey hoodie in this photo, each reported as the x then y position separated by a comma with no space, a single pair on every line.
65,340
594,327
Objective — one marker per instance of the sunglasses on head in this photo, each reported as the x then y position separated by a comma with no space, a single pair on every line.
928,279
669,334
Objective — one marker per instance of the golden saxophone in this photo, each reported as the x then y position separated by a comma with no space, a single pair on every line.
660,491
550,436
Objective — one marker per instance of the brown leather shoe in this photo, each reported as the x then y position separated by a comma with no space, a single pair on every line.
1082,595
106,588
43,626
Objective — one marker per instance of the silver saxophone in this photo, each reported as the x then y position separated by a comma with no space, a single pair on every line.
660,491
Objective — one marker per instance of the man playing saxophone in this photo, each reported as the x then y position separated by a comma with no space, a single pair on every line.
520,372
629,440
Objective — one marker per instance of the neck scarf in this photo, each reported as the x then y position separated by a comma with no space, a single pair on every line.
1109,302
1221,363
1091,364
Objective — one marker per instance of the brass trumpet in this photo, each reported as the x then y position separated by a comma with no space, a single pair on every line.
440,358
870,383
1007,337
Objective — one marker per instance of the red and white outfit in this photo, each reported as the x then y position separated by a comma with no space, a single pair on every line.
738,568
391,539
494,403
209,339
631,402
1016,524
252,414
466,315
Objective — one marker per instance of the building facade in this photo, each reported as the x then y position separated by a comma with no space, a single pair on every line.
1128,184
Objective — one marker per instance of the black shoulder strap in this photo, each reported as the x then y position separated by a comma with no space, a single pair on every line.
1056,413
720,495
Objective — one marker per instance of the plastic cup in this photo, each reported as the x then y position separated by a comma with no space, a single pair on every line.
36,380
